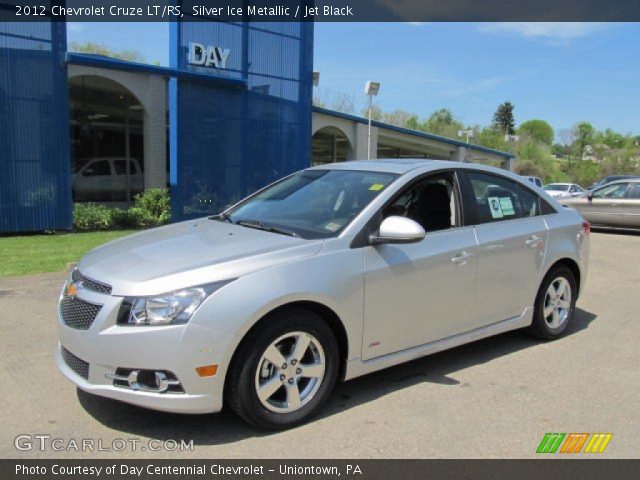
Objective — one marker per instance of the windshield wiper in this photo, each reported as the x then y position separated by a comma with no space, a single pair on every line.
258,225
222,216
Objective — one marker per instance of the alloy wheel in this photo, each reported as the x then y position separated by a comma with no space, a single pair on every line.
557,303
290,372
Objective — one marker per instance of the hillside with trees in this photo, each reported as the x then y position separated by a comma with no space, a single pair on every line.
581,154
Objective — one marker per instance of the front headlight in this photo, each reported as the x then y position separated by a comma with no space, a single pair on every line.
171,308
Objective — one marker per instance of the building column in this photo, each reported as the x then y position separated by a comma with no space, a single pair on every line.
459,154
155,133
360,148
509,164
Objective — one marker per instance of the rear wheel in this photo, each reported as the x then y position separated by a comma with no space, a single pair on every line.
284,371
555,304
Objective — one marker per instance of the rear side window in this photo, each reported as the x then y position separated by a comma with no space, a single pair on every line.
496,198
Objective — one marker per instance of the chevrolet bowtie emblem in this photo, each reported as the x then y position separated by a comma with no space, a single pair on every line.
72,289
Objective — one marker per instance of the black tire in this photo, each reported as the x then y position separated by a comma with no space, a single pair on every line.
240,393
540,328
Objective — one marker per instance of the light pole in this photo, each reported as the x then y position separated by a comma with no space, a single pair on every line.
469,134
371,89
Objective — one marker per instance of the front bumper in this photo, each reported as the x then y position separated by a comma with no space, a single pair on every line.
106,346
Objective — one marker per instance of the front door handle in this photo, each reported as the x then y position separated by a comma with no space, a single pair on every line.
462,259
533,241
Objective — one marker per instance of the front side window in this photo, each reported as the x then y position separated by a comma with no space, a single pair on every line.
430,201
634,191
616,190
497,198
311,203
121,167
100,167
558,187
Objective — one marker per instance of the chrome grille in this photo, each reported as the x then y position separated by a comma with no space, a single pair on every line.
77,313
74,363
90,284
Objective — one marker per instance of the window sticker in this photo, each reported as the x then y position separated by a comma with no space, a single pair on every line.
507,206
494,206
376,186
332,227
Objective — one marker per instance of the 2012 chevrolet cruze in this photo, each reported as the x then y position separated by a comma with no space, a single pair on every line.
330,273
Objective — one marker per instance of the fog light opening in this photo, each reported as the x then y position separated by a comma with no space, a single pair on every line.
156,381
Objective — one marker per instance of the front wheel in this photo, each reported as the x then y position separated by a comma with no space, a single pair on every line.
284,371
555,304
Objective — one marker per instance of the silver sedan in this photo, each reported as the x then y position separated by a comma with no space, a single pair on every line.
614,205
328,274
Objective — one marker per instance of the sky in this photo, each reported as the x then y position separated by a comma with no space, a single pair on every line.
560,72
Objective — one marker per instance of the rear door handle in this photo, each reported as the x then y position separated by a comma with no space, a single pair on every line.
533,241
462,259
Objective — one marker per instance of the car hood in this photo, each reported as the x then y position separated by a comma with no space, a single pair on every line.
189,253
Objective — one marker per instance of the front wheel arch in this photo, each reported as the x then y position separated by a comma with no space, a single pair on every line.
327,314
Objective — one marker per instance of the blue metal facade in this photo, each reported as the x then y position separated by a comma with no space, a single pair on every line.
35,170
232,130
228,142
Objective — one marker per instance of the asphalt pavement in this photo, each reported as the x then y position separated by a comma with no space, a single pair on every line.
494,398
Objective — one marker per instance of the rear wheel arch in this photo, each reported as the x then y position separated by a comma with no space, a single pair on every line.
572,265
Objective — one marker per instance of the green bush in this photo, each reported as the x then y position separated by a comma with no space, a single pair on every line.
89,216
151,209
123,218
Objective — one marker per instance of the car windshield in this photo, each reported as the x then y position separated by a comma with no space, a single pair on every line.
557,186
311,203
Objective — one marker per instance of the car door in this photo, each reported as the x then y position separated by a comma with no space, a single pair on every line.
631,206
604,205
420,292
95,180
512,238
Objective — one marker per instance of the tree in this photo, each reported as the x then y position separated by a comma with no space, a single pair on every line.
583,134
613,139
503,119
399,118
537,130
442,122
129,55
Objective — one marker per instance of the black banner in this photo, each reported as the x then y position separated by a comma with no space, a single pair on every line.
320,469
321,10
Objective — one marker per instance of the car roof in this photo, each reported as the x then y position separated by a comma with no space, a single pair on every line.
560,183
401,166
622,180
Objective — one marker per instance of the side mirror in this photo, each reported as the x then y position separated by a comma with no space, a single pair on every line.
398,230
590,196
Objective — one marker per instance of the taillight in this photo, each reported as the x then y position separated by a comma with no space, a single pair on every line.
587,228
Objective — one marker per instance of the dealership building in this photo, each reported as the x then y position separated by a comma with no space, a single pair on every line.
232,113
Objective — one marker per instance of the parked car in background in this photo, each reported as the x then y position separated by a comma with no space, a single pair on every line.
614,205
537,181
611,178
331,273
564,190
105,179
